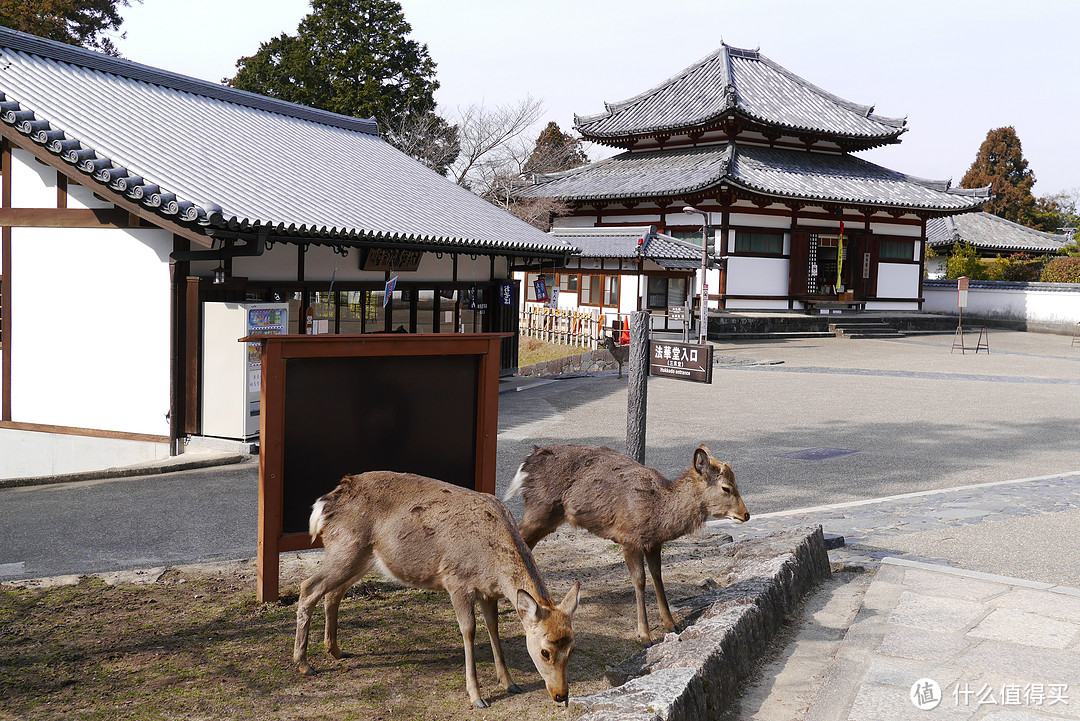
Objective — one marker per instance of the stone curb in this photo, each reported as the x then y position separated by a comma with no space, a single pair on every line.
695,674
146,469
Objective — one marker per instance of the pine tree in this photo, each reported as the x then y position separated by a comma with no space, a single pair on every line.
354,57
1000,164
554,151
75,22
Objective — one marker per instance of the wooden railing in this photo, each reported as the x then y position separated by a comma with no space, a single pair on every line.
582,328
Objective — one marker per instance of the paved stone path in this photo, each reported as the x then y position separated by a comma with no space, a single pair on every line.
971,644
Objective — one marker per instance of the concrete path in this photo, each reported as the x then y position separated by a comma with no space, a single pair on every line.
974,589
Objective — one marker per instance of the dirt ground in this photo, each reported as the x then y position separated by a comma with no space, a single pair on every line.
196,645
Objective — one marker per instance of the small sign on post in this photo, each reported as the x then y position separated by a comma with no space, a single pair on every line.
684,361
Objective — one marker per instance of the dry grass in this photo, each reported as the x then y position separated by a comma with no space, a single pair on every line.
196,644
533,350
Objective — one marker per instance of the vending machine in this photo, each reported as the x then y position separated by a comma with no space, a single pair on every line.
232,371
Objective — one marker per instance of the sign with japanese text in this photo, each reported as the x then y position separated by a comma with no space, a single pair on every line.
553,297
506,293
684,361
541,289
676,312
391,259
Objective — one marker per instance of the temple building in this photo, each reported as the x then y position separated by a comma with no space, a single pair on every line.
797,220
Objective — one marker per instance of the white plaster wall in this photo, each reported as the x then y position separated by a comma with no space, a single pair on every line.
90,335
28,454
629,287
895,305
908,231
898,280
33,184
737,304
641,219
575,221
79,196
320,263
759,221
757,276
1048,303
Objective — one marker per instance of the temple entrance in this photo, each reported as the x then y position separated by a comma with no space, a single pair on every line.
831,267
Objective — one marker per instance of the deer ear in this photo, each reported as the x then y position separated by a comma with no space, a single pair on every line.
527,607
701,459
569,604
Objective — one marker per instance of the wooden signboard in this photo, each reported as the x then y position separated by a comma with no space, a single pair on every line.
334,405
683,361
391,259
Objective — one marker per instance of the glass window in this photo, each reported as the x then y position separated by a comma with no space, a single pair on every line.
897,249
611,290
568,282
658,292
426,307
351,311
754,242
401,311
375,312
676,291
691,236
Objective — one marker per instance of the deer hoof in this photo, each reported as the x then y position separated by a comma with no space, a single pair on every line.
514,688
481,703
306,670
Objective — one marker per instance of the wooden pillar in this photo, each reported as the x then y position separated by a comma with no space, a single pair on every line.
5,288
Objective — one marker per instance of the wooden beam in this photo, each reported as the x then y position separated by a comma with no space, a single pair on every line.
5,286
64,217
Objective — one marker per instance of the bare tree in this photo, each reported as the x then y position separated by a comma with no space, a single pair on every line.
490,141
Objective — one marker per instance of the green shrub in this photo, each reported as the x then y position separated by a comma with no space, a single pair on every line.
1017,267
1062,270
964,261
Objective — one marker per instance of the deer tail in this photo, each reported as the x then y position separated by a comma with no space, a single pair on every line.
518,484
315,523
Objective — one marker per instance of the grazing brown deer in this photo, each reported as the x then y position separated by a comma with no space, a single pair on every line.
429,534
612,496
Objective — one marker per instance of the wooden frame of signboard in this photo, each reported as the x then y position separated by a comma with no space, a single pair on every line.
334,405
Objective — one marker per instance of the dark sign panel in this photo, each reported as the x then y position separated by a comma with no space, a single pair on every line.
684,361
391,259
676,312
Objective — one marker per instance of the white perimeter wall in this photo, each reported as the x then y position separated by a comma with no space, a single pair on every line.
1052,304
90,328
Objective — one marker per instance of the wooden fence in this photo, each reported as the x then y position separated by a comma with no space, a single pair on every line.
582,328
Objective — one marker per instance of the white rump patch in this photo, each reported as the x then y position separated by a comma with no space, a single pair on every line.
517,484
315,523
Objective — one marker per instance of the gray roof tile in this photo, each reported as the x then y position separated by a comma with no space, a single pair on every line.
747,83
213,156
623,242
794,174
989,232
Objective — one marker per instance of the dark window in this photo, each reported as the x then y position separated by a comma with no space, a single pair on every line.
599,290
754,242
897,249
658,292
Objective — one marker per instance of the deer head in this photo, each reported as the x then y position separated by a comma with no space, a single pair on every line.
550,639
720,494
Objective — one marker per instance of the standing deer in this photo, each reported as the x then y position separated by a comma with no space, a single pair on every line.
614,497
429,534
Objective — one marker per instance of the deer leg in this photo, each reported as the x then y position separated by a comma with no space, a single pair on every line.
635,563
538,523
490,609
652,555
334,570
466,618
330,604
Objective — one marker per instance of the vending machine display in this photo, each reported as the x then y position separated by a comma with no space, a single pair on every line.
232,371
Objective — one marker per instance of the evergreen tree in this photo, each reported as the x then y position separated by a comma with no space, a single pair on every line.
354,57
964,261
75,22
554,151
1000,164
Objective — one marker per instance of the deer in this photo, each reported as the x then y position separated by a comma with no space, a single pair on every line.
613,496
429,534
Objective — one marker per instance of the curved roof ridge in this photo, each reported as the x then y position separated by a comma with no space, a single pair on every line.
80,57
867,111
612,108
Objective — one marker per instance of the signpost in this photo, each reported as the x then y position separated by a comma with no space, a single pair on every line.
682,361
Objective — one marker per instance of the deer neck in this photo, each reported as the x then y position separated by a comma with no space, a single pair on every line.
681,510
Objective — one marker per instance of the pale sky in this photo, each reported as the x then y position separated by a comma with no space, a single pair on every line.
954,68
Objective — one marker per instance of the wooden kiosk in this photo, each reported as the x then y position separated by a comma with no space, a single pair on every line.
334,405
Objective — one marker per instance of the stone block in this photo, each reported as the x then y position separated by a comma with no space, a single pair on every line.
935,614
946,584
1026,628
922,645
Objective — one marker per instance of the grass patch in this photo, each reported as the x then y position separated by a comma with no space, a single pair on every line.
533,350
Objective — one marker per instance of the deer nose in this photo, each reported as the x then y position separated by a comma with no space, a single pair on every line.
746,516
560,698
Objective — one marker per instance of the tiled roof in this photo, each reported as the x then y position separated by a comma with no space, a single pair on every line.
623,242
989,232
744,82
789,174
209,156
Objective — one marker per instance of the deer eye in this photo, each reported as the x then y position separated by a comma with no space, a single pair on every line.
544,654
726,489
